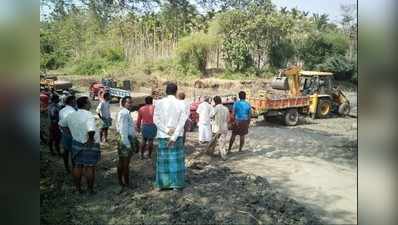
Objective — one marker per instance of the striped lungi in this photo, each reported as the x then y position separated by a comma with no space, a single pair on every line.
85,155
170,164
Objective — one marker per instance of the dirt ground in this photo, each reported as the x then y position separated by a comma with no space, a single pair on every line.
285,175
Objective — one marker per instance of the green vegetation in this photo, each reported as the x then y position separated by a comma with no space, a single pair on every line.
242,38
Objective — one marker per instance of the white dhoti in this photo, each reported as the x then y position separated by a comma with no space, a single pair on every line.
204,132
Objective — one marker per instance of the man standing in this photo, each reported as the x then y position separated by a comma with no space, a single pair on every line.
104,113
181,97
70,103
170,116
148,128
125,128
54,131
242,112
219,127
85,143
204,110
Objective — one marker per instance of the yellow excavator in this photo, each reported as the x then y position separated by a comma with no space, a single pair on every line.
325,97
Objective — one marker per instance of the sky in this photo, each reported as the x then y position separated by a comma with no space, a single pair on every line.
330,7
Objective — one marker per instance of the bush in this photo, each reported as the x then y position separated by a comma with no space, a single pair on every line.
340,66
192,53
112,54
90,66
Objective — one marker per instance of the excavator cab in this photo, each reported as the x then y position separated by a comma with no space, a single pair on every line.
326,97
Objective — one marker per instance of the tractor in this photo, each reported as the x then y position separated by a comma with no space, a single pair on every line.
325,97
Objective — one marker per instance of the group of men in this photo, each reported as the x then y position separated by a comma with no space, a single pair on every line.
166,121
214,123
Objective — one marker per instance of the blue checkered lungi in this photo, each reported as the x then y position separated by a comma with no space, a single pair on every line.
170,164
85,155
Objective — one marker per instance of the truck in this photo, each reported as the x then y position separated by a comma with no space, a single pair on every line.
300,92
52,82
98,88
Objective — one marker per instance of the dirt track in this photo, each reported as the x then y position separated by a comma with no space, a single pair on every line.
285,175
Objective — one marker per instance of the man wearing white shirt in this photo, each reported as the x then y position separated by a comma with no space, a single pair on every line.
126,144
181,97
169,116
204,110
104,113
220,117
70,102
85,145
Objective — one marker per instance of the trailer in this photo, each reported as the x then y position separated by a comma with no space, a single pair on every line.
276,105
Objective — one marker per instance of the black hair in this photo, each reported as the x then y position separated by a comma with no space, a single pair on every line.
148,100
70,99
81,102
217,99
181,95
106,94
171,89
242,95
124,99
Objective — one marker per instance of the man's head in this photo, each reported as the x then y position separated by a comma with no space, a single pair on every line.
107,96
181,95
171,89
127,102
83,103
242,95
217,100
70,100
148,100
55,99
207,99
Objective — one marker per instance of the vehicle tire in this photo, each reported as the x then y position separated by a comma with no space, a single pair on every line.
324,108
291,117
344,109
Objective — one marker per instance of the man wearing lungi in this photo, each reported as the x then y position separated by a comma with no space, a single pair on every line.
85,144
170,116
54,131
69,108
146,126
104,113
242,112
204,110
126,145
220,117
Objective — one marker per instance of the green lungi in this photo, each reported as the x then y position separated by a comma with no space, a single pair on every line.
170,164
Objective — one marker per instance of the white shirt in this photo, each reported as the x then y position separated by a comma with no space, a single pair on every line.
221,116
64,113
104,109
204,110
170,113
80,123
125,126
187,106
